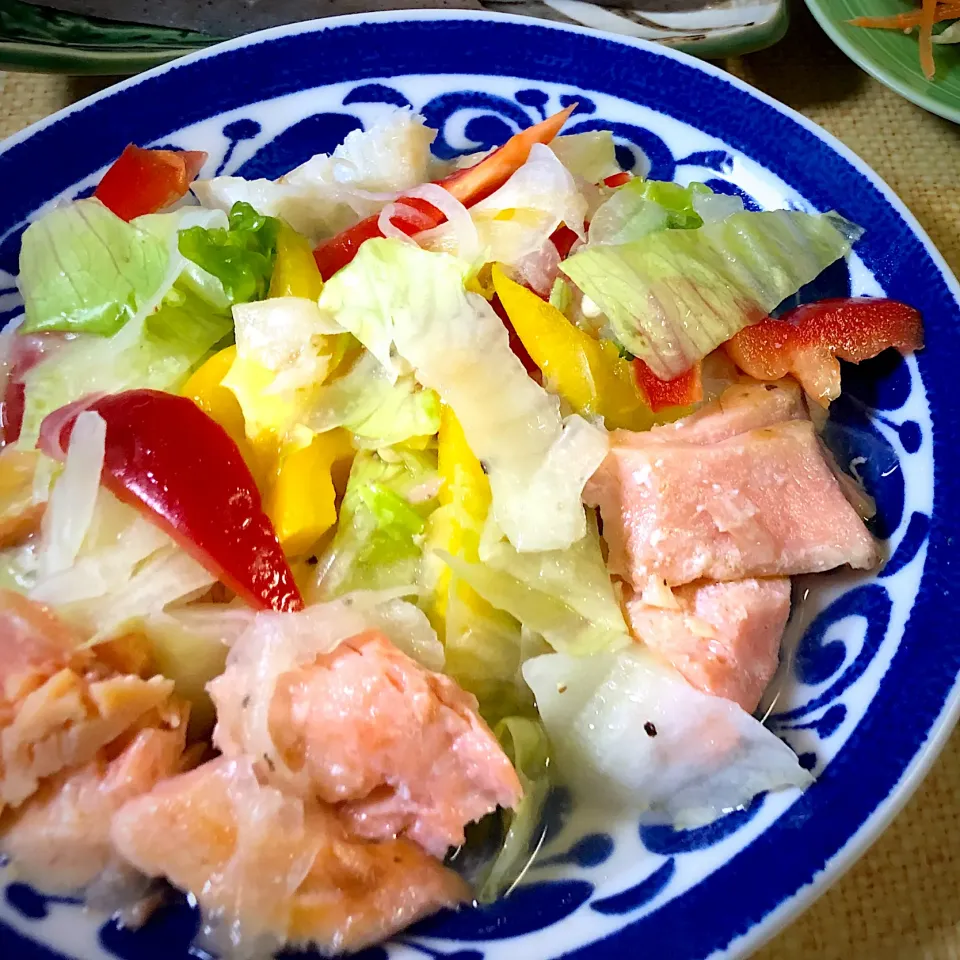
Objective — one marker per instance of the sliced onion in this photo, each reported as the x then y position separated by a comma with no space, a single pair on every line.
74,498
458,216
391,210
51,440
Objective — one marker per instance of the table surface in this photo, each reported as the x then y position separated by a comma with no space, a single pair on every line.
902,900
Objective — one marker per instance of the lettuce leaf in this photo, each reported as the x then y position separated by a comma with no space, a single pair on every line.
240,256
84,270
285,350
675,295
171,332
591,156
484,653
566,596
378,542
409,308
641,207
158,352
378,411
525,742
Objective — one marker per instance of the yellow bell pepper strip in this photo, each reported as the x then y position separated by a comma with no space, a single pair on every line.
456,525
301,500
295,272
589,374
204,388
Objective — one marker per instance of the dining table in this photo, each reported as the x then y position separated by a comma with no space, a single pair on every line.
901,899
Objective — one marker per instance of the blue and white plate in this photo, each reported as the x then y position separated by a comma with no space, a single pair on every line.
869,688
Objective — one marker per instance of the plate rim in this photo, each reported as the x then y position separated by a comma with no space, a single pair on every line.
941,727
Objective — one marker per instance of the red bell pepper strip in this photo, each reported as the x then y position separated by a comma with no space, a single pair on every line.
660,394
12,408
27,351
166,457
563,239
516,344
145,181
469,186
808,340
617,179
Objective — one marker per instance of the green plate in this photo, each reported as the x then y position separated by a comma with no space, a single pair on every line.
38,39
892,56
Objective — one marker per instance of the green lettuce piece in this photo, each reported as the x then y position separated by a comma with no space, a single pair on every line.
641,207
525,742
675,295
378,543
158,351
566,596
674,198
560,295
378,411
240,256
484,653
84,270
591,155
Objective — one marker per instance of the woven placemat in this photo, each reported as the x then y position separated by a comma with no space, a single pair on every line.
902,900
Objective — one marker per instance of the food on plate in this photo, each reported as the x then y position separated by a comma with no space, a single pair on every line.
931,12
344,515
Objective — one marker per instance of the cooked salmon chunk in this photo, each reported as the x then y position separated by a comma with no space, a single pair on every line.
400,749
59,704
741,407
723,637
759,503
270,870
59,840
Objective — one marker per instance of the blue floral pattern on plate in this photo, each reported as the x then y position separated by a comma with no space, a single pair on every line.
601,888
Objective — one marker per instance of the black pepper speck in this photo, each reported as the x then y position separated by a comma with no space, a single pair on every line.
649,729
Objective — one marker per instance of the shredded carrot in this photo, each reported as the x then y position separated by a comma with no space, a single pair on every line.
928,11
906,21
931,12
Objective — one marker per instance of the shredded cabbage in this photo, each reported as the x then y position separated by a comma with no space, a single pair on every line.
484,652
713,207
626,729
566,596
675,295
378,411
591,156
328,193
407,304
191,659
285,349
126,568
84,270
378,542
